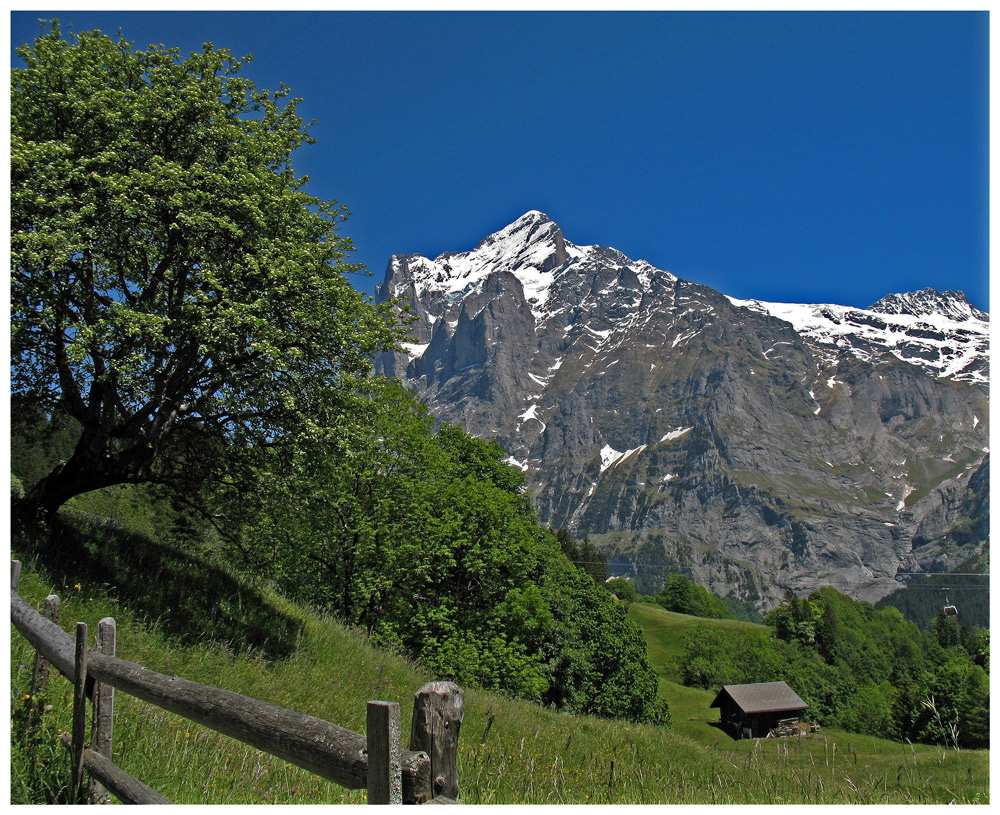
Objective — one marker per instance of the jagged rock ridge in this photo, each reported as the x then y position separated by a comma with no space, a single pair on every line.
756,446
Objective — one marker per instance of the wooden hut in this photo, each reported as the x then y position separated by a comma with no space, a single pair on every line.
753,711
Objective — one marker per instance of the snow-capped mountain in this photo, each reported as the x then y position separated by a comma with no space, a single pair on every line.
756,446
941,332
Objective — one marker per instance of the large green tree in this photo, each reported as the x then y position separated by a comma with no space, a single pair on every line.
173,287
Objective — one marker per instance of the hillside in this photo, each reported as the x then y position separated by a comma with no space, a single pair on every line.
755,447
527,755
664,629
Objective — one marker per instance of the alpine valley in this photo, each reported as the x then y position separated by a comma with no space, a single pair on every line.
756,447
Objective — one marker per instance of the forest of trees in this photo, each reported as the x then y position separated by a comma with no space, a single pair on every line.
869,671
967,587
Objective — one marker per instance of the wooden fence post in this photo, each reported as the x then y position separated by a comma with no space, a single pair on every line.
79,714
15,574
40,675
438,710
385,777
104,708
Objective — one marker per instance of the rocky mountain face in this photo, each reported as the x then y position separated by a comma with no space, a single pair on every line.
754,446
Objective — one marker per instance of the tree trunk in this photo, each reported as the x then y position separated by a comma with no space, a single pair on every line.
91,467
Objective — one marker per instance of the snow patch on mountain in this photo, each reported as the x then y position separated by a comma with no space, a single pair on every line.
609,456
513,462
627,453
415,349
612,458
902,501
531,413
676,434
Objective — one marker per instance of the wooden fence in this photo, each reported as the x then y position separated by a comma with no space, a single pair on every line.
425,773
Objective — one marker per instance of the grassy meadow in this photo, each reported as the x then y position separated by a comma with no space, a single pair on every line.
511,752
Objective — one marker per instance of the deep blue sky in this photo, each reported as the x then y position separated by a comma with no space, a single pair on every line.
802,157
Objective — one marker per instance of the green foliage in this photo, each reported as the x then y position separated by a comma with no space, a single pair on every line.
680,594
870,711
38,442
427,540
622,588
171,281
596,655
716,656
793,621
191,597
946,630
742,610
924,597
981,652
824,687
38,772
584,555
956,706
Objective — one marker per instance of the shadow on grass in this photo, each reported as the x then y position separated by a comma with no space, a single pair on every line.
187,597
723,728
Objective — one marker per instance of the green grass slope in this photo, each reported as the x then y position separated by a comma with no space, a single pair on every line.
664,630
511,752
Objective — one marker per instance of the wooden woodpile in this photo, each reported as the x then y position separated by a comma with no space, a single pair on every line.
785,727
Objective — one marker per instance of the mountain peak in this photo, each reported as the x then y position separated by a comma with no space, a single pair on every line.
533,215
926,302
531,248
531,228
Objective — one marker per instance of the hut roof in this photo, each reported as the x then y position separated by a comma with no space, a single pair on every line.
762,697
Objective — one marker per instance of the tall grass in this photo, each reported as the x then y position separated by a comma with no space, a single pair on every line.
511,752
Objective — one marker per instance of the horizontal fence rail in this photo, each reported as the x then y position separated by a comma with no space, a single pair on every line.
324,749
